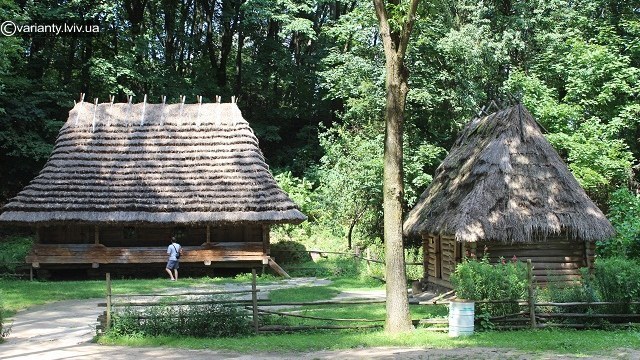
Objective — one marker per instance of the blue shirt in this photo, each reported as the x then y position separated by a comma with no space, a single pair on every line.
172,250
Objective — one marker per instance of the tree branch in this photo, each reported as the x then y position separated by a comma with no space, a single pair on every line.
383,19
408,26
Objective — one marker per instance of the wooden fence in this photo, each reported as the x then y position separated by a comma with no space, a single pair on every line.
257,307
533,314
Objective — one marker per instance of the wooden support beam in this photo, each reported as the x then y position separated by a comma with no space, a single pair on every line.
108,279
265,240
96,235
208,234
280,271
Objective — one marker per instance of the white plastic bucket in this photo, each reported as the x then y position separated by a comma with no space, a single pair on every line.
461,315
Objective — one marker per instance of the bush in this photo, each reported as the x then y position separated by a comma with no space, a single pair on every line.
209,320
480,280
289,252
13,251
577,291
618,279
624,213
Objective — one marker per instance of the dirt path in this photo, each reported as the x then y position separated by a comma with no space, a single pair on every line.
64,330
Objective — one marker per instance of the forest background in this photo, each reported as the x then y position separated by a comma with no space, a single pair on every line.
309,76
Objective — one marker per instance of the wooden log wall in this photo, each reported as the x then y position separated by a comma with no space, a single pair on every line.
557,259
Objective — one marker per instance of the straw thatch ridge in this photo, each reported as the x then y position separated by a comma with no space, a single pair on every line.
151,164
503,181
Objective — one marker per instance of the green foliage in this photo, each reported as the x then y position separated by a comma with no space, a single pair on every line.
624,214
480,280
209,320
13,251
618,279
289,252
4,329
612,280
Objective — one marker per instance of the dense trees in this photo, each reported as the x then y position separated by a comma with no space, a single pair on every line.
310,78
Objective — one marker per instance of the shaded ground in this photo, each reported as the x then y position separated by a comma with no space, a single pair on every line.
64,330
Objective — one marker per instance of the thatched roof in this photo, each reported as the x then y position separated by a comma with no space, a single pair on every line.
503,181
154,163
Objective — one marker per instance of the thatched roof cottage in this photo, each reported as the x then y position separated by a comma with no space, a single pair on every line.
504,187
124,177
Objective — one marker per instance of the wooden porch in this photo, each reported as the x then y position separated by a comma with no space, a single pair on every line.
238,253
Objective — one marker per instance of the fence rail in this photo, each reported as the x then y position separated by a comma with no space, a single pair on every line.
532,315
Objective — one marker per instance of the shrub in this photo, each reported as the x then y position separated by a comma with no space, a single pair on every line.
577,291
13,251
618,279
289,252
480,280
624,213
211,320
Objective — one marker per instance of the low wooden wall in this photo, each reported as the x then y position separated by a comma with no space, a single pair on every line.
557,259
101,254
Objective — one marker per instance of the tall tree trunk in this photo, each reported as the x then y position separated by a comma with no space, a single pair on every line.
395,46
238,84
208,10
170,8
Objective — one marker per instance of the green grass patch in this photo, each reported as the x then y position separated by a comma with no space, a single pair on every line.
21,294
353,311
303,294
557,341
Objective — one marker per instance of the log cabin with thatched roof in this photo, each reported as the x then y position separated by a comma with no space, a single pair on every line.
123,178
504,189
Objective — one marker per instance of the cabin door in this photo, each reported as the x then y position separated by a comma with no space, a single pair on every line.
438,257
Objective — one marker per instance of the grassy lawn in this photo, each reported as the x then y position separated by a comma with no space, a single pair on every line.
16,295
558,341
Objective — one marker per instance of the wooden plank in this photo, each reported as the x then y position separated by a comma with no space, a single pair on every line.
557,266
91,253
545,259
280,271
556,272
526,253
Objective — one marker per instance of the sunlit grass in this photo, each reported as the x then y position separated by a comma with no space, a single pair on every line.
17,295
559,341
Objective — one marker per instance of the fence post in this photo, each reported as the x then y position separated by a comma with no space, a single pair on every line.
530,296
108,324
254,300
368,258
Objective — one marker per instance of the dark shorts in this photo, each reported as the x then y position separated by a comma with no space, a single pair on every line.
173,264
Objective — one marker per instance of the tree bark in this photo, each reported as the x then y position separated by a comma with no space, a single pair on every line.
395,44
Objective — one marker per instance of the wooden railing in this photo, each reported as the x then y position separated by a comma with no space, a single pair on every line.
101,254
